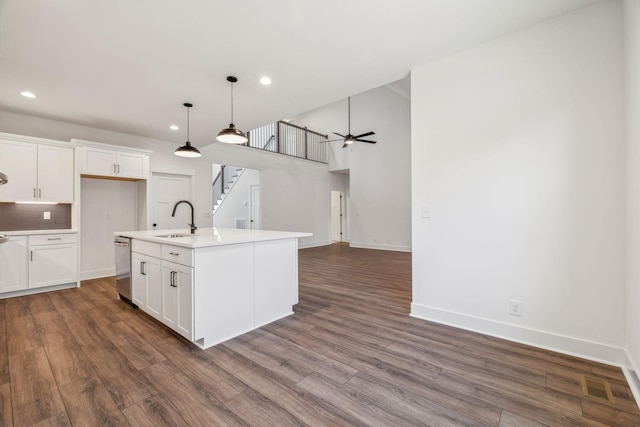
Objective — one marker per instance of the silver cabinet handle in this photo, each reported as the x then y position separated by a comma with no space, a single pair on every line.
39,193
174,253
142,268
30,255
34,193
114,169
54,238
172,279
118,169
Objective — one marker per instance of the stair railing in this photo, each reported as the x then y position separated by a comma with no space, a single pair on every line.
218,185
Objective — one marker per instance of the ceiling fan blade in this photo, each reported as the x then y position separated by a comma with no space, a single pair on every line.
331,140
365,140
339,134
364,134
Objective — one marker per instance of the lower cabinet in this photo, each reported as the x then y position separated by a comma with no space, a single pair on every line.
163,288
146,286
177,301
36,262
52,263
13,264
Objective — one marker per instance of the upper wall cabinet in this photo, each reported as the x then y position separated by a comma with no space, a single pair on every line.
101,160
38,171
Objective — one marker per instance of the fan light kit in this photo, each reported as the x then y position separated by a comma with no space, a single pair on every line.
187,150
231,135
348,138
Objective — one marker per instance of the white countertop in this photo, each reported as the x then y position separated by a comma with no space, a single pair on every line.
33,232
205,237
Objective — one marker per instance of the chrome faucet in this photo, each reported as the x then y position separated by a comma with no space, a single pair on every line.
193,223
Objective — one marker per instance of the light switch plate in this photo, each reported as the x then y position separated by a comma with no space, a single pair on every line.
47,215
426,211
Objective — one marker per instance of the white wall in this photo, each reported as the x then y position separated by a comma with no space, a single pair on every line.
108,206
517,147
379,175
632,90
237,204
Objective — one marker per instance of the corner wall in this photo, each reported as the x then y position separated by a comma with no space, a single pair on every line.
518,150
632,91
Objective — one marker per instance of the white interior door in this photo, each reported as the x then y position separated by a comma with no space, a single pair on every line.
255,207
167,190
336,216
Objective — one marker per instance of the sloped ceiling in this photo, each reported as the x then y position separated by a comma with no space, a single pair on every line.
128,66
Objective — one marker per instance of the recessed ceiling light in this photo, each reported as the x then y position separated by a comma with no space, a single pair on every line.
265,80
174,127
28,94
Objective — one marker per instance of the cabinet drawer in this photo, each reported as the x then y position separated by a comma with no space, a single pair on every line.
178,255
146,248
53,239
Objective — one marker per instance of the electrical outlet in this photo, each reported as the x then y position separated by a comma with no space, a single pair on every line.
426,211
515,308
47,215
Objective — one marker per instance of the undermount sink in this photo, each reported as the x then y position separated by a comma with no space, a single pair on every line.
3,238
174,236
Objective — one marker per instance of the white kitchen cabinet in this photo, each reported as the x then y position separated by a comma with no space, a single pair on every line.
177,298
162,285
53,260
104,162
37,172
146,283
13,264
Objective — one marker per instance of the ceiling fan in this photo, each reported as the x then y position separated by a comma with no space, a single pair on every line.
348,138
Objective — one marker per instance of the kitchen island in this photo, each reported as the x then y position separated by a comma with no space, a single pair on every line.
217,283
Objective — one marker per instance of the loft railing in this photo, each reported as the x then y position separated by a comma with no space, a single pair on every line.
290,140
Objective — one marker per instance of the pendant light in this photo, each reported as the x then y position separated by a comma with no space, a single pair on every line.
187,150
231,135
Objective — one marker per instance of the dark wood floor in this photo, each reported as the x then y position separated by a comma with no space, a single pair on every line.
350,355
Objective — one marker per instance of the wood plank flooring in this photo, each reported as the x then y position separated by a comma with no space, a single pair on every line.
350,355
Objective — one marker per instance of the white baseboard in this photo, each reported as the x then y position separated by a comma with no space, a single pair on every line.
590,350
380,246
631,374
97,274
313,244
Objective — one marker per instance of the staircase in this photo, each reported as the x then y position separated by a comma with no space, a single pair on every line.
223,184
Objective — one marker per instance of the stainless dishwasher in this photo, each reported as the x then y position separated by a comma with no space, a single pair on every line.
123,268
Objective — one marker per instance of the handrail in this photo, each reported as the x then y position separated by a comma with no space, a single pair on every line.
303,128
269,141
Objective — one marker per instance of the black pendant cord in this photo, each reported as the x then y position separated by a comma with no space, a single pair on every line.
231,102
349,106
188,138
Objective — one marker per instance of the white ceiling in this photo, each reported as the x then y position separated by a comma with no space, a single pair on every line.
128,66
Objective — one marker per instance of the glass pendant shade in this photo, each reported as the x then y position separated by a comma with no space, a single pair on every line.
187,150
231,135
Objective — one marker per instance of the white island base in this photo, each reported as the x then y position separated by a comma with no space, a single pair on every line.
218,284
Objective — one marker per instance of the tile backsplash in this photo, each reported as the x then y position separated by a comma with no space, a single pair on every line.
18,217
